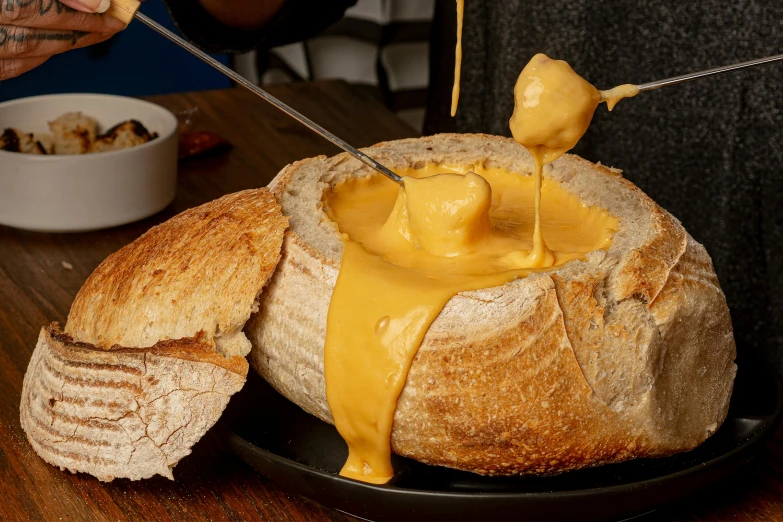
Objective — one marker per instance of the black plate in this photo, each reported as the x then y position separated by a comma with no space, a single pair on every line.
303,454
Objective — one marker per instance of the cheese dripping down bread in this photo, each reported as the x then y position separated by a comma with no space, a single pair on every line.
396,278
402,263
153,347
625,351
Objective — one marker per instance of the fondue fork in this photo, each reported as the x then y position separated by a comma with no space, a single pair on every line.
127,10
651,86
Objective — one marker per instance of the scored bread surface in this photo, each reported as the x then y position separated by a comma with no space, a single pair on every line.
200,271
130,413
153,348
626,353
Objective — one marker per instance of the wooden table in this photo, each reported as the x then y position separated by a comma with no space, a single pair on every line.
212,484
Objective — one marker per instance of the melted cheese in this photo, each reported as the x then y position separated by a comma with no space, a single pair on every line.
457,58
553,107
614,95
408,250
445,215
406,253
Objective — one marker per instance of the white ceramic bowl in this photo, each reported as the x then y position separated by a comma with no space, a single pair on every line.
88,191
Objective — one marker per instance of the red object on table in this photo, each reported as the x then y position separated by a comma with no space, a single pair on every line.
197,143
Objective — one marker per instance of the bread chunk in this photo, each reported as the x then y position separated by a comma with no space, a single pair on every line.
74,133
13,140
122,136
153,348
198,273
123,412
44,142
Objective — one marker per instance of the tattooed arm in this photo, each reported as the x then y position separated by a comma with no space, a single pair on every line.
33,30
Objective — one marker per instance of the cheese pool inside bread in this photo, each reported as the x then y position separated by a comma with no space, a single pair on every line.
476,220
407,252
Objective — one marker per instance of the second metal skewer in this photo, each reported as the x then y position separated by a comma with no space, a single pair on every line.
128,9
650,86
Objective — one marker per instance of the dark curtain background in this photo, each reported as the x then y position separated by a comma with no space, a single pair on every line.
709,152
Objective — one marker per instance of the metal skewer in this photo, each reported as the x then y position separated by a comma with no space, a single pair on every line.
650,86
125,10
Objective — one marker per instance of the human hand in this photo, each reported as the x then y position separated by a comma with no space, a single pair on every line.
33,30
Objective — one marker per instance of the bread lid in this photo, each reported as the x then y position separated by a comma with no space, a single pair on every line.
153,347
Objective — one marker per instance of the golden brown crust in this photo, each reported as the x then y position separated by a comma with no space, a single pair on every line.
200,271
193,349
154,347
692,317
644,272
539,400
576,367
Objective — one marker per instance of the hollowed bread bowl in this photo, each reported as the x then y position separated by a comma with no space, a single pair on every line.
628,352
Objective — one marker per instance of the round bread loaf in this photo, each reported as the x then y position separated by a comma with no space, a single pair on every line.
153,349
626,353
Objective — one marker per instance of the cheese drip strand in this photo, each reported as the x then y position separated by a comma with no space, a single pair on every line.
553,107
457,58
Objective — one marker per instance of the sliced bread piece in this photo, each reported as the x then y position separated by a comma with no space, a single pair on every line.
153,348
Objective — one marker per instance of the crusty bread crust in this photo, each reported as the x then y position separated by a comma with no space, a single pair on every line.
122,412
200,271
153,348
624,354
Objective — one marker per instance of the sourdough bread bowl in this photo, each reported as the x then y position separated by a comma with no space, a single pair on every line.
626,353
